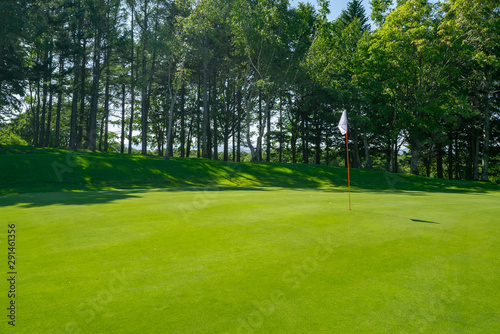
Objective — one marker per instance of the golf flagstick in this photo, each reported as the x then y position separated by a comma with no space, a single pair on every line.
348,176
343,129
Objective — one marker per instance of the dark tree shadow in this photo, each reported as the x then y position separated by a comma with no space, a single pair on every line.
33,170
32,200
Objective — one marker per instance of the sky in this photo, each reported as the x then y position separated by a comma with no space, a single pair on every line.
336,6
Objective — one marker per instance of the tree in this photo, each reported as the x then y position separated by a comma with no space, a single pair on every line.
474,29
332,60
405,53
380,10
13,59
259,31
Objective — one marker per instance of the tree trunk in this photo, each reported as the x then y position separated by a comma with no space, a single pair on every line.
170,145
439,160
259,137
106,107
36,132
450,156
144,113
233,122
49,121
226,122
319,129
304,132
132,82
396,154
92,133
49,114
79,139
238,125
32,108
198,122
415,152
183,125
280,138
122,139
101,135
74,106
268,139
59,101
214,113
253,151
486,143
294,134
368,161
327,149
427,161
476,156
169,149
392,155
144,82
469,168
306,141
46,139
356,161
41,139
188,145
206,119
457,158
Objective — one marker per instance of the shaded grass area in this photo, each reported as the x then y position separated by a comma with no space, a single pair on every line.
28,169
265,260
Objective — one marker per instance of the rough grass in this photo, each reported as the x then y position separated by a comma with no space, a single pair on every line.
217,256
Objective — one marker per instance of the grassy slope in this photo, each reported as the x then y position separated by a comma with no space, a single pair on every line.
24,169
228,259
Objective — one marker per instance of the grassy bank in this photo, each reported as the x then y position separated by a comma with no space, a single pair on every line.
26,169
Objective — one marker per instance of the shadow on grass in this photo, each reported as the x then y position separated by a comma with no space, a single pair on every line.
423,221
28,170
31,200
93,197
399,217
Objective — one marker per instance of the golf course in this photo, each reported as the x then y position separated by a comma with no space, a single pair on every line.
250,166
132,244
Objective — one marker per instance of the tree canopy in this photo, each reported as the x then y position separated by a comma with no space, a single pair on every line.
258,80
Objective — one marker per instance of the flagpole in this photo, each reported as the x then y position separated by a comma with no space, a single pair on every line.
348,176
343,130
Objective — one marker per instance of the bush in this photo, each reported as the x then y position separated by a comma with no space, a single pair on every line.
12,140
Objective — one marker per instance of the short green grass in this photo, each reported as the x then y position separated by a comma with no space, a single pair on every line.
413,256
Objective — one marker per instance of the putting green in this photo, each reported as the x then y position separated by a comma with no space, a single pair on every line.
267,260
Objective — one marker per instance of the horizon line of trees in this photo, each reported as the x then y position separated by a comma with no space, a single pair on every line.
185,77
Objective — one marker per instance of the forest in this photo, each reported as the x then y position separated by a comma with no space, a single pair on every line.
258,80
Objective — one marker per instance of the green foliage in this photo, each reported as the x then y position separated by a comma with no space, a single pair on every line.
380,10
13,59
11,139
354,12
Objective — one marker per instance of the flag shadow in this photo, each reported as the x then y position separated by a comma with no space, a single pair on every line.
401,217
423,221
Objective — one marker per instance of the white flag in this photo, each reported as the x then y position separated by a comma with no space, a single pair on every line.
343,123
